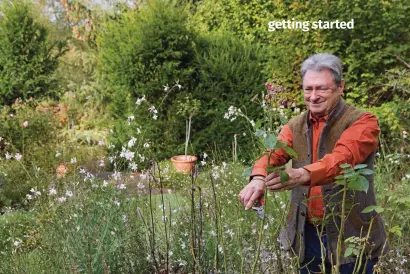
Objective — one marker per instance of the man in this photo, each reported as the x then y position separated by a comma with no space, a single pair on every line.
329,134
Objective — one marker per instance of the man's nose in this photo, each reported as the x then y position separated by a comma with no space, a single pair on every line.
314,95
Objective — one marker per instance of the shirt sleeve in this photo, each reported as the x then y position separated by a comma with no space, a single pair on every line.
277,157
354,146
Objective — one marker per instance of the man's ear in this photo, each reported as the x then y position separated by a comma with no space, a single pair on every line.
341,87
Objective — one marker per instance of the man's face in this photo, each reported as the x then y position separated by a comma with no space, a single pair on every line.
320,92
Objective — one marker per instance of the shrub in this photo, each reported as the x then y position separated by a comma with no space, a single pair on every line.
28,59
31,148
139,53
230,74
31,135
142,51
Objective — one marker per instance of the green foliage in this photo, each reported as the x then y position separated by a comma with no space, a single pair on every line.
23,128
245,18
100,228
388,115
27,57
354,177
188,107
230,74
139,53
31,131
103,227
13,228
392,177
142,51
32,134
377,209
366,51
270,141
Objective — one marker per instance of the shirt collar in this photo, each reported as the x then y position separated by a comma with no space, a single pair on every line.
315,120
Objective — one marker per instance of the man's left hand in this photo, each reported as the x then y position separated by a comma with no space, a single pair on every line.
297,177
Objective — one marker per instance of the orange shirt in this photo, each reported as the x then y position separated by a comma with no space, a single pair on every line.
354,146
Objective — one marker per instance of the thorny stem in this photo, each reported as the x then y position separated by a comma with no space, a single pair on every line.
322,247
358,263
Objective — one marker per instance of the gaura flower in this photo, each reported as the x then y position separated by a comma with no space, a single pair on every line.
18,156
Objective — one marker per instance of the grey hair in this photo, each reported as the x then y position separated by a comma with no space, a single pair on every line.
321,61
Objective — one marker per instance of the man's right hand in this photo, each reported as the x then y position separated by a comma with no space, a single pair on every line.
253,192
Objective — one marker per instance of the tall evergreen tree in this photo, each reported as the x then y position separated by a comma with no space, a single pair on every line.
27,57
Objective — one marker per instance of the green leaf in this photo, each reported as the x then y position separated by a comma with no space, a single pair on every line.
260,132
284,177
365,171
279,145
345,165
339,182
368,209
379,209
347,170
348,252
356,251
404,200
247,172
258,124
351,239
360,166
396,230
283,120
339,177
360,183
349,175
371,208
289,151
270,141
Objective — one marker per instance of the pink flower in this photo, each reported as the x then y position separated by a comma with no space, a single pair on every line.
25,124
269,86
272,89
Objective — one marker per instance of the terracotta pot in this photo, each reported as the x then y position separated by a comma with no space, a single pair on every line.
184,163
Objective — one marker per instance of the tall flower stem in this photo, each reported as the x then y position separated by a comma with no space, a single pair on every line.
163,212
262,223
193,230
216,223
341,230
152,227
